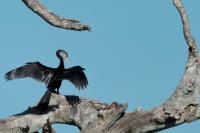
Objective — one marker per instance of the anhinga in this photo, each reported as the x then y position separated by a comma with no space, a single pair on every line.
52,77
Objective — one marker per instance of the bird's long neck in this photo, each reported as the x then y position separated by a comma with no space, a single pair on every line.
61,65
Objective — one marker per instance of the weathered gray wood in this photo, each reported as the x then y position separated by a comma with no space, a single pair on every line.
183,106
83,113
54,19
93,116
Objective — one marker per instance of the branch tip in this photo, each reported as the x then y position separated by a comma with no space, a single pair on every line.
186,28
54,19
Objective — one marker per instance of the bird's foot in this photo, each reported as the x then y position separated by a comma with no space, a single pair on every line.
56,92
53,91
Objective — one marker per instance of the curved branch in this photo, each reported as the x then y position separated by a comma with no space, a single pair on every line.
182,106
53,19
186,27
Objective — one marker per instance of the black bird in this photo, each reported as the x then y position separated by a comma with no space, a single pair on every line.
52,77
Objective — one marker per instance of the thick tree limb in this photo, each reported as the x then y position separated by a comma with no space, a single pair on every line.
84,113
183,106
53,19
93,116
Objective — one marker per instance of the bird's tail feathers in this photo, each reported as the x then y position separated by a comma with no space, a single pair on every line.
44,101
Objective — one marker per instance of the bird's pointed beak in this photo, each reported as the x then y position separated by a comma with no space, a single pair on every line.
65,57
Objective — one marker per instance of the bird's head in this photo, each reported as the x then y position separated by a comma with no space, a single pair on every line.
61,54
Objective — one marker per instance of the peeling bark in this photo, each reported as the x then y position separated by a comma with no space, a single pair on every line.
93,116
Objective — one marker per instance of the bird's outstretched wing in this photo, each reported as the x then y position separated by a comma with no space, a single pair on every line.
76,76
33,70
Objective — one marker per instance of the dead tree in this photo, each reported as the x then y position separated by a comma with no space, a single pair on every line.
93,116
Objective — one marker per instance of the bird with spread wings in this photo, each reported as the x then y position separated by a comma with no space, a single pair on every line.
52,77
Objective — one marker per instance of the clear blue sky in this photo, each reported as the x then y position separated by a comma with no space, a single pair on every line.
135,53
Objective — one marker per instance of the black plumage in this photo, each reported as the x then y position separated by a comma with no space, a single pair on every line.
33,70
52,77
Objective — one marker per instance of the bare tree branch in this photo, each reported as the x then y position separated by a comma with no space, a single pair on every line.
93,116
186,27
66,110
53,19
